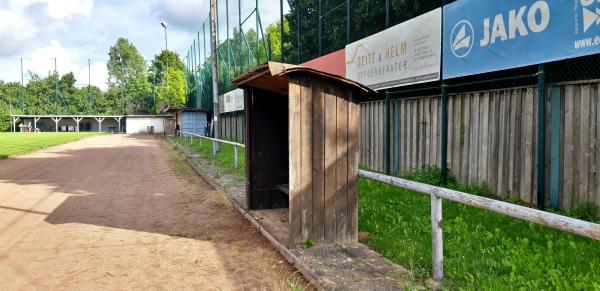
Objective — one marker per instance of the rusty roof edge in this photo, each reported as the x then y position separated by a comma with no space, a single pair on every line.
280,69
250,75
287,69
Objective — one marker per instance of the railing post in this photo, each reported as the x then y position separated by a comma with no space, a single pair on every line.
235,157
214,150
436,238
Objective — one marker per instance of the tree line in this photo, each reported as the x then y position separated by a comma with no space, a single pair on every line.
134,87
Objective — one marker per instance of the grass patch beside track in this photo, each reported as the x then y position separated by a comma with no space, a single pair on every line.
482,250
12,144
225,156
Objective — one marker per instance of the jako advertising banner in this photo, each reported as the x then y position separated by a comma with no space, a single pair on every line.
404,54
485,36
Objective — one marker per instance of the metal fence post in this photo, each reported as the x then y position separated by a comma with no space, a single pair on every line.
235,158
436,238
541,144
444,145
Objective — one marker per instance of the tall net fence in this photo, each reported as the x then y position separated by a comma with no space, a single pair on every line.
250,33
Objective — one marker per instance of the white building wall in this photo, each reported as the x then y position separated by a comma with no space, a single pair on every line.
139,125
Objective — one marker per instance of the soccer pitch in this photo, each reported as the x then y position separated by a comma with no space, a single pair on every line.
12,144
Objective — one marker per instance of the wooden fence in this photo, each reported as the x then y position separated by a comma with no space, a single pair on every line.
232,126
492,139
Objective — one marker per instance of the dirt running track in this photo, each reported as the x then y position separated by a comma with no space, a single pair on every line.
112,212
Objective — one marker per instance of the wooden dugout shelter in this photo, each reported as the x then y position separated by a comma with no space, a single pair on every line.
302,134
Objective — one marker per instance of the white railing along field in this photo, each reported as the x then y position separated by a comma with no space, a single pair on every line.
183,134
567,224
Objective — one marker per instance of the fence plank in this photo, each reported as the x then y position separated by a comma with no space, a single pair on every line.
597,192
455,132
341,200
473,156
318,165
415,134
483,133
306,108
434,132
502,144
584,144
330,168
427,130
568,148
450,130
526,150
295,163
353,123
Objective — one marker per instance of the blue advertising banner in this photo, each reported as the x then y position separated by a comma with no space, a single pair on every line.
484,35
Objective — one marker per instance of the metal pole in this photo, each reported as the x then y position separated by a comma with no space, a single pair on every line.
387,13
56,86
257,34
320,29
444,135
215,81
387,133
437,243
298,31
89,81
541,145
21,91
348,20
281,28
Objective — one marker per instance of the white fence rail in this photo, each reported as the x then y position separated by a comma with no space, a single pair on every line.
183,134
567,224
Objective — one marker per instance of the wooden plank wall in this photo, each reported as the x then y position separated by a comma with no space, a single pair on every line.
232,126
492,139
323,162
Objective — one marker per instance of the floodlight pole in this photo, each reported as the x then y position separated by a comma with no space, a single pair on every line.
21,91
215,83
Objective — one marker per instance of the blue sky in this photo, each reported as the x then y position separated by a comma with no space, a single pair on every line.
76,30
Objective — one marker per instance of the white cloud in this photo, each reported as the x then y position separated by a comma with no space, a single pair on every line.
15,32
184,14
57,9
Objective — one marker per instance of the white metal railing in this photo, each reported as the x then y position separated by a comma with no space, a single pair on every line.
183,134
567,224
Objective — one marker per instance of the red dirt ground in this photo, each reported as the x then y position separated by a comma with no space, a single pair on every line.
116,212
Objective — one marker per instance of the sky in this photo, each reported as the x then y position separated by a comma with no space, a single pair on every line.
73,31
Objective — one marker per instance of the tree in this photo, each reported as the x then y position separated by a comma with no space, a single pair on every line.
160,62
173,93
127,78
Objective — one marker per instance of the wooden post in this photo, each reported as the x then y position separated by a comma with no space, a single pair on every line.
235,156
436,238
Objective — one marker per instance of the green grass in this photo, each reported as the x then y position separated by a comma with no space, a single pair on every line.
225,156
12,144
482,250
